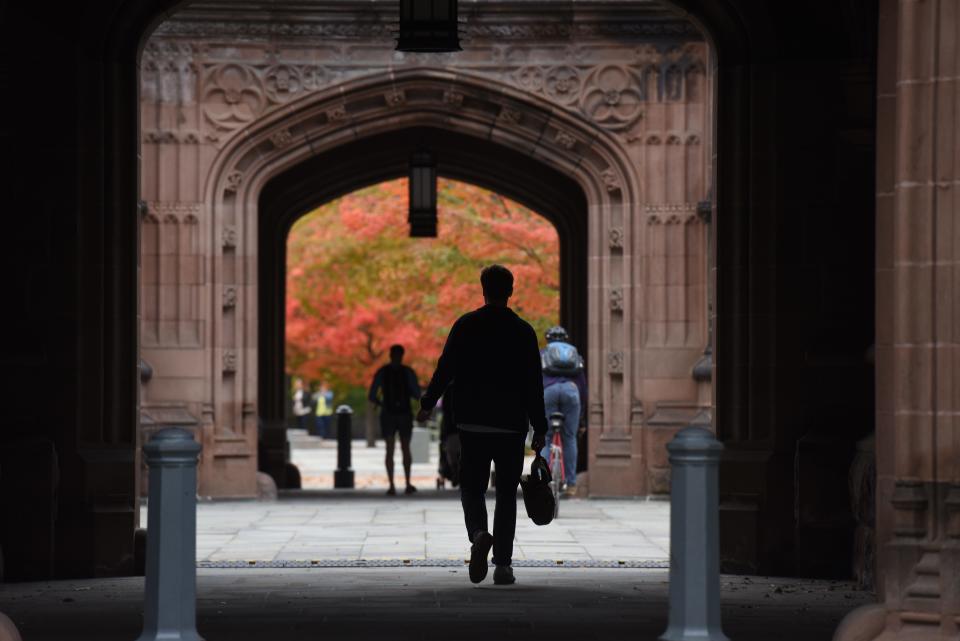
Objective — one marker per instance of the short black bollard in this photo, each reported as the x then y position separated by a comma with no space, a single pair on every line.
170,597
343,476
694,537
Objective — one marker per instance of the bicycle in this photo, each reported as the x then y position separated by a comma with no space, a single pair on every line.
555,462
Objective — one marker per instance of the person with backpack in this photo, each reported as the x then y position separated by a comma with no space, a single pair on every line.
394,386
564,391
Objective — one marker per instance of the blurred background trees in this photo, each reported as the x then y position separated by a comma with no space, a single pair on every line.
357,283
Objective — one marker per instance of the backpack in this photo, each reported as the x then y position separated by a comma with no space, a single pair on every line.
560,359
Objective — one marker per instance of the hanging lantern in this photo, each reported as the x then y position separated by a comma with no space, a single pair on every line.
428,26
423,195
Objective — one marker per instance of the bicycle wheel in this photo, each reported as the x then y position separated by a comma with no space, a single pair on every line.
556,472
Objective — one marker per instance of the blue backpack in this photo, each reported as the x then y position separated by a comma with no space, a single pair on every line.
560,359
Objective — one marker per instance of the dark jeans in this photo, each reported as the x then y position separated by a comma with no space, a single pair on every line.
477,451
322,426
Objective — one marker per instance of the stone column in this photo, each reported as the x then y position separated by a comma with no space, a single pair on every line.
918,327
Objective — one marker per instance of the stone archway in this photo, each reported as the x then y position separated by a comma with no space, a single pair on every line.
401,101
365,161
644,253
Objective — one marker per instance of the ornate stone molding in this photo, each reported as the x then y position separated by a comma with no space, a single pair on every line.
672,214
230,237
453,98
229,361
565,140
615,363
615,237
616,299
233,181
229,297
610,180
510,116
281,138
168,137
187,213
234,93
336,114
384,29
283,82
395,98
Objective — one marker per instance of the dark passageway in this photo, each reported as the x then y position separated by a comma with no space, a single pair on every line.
427,604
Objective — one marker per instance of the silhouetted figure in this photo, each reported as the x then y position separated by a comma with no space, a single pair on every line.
564,391
494,357
397,385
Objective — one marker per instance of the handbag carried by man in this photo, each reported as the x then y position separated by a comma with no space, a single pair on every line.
537,494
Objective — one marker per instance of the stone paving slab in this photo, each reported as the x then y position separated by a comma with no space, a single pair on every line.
428,604
316,459
339,526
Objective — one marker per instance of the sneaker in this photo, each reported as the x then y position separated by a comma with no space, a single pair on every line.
503,575
482,543
392,491
569,491
410,490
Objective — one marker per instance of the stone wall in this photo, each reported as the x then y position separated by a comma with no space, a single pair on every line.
619,99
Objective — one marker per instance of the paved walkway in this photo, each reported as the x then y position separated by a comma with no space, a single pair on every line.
316,459
375,527
365,525
427,604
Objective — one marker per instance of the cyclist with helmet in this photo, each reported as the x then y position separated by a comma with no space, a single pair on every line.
564,391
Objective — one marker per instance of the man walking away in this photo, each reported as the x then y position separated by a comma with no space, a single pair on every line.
493,356
564,391
397,385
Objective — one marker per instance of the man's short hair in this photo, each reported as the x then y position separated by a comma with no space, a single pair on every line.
396,350
497,282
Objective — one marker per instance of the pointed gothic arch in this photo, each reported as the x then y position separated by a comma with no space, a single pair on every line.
567,168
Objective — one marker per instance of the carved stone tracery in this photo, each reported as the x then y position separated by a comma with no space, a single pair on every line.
235,92
232,95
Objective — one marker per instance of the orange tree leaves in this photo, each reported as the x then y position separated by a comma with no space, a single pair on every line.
357,283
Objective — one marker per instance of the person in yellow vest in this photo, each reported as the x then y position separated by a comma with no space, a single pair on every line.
324,403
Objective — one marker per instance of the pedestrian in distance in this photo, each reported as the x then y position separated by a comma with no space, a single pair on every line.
301,404
493,356
323,400
394,387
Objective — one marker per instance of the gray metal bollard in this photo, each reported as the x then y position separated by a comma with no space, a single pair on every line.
343,475
694,537
170,598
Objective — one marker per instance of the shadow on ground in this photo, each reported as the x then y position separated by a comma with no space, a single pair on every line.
428,604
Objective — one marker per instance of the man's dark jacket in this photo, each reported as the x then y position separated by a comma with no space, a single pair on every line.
493,356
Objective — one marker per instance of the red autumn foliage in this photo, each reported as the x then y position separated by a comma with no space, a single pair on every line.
357,283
